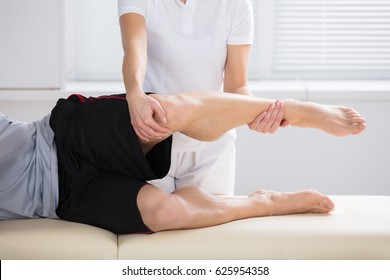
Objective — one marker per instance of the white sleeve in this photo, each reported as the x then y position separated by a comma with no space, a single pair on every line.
132,6
241,22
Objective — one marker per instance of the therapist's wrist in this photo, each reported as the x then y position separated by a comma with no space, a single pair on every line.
134,93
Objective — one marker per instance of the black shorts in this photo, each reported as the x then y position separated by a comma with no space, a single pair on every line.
101,164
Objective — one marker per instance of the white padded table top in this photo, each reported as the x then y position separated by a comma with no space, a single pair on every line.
54,239
359,228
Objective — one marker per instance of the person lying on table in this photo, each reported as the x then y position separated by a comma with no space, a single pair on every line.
84,163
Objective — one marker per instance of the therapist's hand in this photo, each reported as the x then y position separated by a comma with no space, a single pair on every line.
144,111
270,120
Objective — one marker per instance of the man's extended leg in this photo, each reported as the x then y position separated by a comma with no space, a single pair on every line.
193,207
206,116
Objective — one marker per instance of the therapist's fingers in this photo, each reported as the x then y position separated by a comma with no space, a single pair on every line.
270,120
148,121
261,120
256,122
279,117
151,129
271,126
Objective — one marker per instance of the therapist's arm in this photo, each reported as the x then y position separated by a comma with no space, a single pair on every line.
142,107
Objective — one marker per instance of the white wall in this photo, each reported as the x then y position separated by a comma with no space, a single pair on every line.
300,158
31,44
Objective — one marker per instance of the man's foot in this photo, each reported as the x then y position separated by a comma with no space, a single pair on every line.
335,120
284,203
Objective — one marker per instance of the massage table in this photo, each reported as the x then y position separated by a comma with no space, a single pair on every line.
359,228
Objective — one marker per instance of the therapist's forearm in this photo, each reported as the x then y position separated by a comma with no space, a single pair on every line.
134,69
134,42
133,74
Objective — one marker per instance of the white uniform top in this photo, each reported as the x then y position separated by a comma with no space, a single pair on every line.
187,43
187,50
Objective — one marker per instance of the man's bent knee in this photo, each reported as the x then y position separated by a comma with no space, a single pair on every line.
179,109
159,210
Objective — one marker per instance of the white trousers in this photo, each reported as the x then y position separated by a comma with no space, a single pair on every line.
210,165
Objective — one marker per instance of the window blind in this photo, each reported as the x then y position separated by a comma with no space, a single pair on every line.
331,39
294,39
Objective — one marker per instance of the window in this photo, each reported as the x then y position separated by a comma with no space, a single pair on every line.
294,39
323,39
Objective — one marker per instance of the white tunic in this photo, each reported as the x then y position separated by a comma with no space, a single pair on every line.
187,43
187,50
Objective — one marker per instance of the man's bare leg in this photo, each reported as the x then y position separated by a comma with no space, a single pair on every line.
193,207
206,115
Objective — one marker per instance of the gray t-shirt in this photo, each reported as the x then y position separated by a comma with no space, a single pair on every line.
28,169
